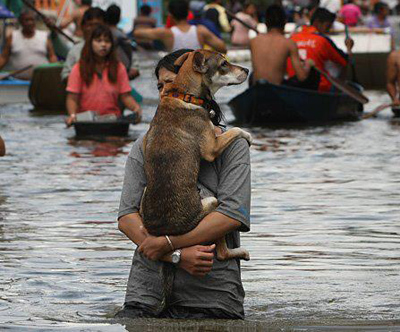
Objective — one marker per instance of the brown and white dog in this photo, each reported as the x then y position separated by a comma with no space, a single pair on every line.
180,135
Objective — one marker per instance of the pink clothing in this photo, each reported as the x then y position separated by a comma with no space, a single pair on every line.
101,95
240,34
351,14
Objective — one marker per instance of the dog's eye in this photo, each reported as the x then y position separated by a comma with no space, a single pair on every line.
160,86
224,64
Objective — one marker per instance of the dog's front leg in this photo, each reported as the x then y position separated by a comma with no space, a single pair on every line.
214,145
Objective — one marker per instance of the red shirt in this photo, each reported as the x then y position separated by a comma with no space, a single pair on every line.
101,95
319,48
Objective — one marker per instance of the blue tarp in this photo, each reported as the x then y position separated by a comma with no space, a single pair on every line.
4,12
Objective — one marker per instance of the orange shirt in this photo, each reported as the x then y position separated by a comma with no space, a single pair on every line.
319,48
101,95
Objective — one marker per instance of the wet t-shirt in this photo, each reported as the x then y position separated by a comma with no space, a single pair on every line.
228,179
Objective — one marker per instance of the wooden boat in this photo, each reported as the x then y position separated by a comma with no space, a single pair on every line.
13,91
266,103
47,91
118,128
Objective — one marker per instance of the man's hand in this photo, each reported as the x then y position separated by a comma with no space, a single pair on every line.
154,247
70,120
349,44
197,260
133,73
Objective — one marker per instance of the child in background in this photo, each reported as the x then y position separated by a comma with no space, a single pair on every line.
98,81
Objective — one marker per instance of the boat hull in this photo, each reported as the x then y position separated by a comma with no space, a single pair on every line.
101,129
267,103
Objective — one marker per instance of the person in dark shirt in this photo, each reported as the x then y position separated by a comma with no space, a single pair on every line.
197,9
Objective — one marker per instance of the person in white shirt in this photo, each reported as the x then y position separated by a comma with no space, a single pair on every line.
27,46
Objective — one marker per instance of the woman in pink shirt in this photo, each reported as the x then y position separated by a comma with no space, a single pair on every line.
98,81
240,34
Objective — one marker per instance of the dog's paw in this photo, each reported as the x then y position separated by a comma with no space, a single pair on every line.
247,136
246,255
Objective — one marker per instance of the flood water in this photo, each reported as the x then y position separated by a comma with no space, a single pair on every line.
324,242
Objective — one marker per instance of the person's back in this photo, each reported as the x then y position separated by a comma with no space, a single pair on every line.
269,52
185,37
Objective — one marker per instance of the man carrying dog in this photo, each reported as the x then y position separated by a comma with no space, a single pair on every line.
182,35
204,287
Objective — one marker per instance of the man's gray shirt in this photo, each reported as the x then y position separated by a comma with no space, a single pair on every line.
228,179
72,58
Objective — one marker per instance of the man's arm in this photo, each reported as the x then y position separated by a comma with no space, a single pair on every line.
5,55
392,73
301,70
51,54
212,40
196,260
150,34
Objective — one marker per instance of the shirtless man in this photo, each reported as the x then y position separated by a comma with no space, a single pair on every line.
76,17
393,79
269,52
182,35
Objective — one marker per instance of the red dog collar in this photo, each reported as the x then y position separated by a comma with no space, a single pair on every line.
187,98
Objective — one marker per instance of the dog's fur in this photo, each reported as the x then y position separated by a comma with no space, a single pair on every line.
180,135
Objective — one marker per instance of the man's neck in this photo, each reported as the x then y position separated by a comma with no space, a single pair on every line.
182,23
276,31
28,33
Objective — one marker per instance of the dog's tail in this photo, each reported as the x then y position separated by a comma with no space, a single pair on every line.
168,276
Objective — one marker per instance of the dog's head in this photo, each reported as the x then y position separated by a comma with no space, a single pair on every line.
213,69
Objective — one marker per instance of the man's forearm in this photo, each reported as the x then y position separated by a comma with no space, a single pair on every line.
214,226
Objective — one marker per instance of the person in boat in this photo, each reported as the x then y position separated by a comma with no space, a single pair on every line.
91,18
216,13
182,35
27,46
2,147
99,81
393,78
270,51
240,33
203,287
76,18
144,20
380,21
350,14
197,8
315,45
122,42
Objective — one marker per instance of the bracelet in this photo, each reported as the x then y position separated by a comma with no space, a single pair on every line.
170,242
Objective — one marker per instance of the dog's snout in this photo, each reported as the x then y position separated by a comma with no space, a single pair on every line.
246,70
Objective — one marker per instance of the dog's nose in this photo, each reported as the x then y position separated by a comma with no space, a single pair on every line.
246,70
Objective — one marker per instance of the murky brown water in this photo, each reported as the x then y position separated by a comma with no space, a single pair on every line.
325,237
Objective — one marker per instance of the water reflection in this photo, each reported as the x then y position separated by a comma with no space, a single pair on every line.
325,237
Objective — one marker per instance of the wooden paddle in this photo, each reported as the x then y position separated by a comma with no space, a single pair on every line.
376,111
45,19
351,59
342,86
15,72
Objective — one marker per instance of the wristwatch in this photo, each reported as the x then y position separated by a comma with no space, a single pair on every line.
176,256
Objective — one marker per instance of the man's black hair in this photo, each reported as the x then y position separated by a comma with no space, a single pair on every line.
113,15
379,6
322,15
179,9
92,13
86,2
313,4
145,10
168,61
275,17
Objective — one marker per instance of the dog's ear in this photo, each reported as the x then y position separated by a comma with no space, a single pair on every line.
199,63
179,62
